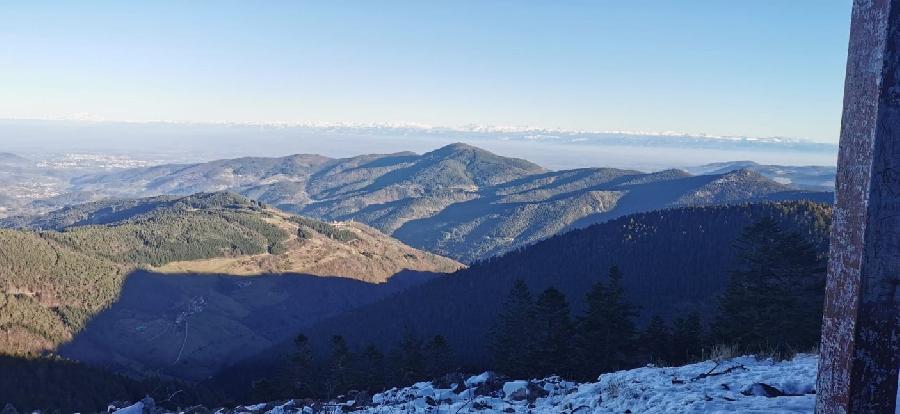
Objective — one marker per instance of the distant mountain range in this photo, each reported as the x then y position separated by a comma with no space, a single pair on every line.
813,177
458,201
12,160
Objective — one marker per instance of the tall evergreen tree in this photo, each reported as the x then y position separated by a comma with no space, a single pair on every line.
511,335
412,361
439,357
302,368
553,333
687,339
372,367
656,341
339,367
606,332
774,298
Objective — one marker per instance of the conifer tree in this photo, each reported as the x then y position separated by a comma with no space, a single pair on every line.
372,368
511,335
656,341
339,367
439,357
606,331
553,332
302,368
774,298
687,339
412,361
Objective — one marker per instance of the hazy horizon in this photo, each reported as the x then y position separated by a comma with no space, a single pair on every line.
775,71
196,142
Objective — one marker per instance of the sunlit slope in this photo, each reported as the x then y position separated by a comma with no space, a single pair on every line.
55,281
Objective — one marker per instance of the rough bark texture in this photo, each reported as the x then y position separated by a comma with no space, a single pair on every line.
859,351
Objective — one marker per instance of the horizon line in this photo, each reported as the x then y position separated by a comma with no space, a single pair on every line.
428,128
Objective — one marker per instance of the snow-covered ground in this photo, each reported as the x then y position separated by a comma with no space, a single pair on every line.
738,385
745,385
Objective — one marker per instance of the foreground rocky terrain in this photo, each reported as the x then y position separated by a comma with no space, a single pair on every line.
734,385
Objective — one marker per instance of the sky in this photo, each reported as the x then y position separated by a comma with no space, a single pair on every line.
749,68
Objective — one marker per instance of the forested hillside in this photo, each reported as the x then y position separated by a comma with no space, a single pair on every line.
52,384
54,281
673,263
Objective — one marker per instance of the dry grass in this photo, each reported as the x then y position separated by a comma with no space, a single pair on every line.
372,257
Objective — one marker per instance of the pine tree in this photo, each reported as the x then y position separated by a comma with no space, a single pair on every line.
339,367
606,331
687,339
302,368
774,298
656,341
511,335
372,368
439,357
552,334
412,361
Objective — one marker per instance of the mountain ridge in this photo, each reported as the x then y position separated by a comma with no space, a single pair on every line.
56,281
458,201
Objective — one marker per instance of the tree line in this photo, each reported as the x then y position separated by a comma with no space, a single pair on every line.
538,338
772,306
303,373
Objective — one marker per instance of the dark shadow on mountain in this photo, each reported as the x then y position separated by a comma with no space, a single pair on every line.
642,196
189,326
673,261
646,196
386,161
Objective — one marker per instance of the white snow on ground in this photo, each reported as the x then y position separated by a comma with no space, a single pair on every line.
727,386
737,385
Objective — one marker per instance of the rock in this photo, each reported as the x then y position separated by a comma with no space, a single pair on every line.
447,381
197,409
136,408
149,405
9,409
515,390
484,377
490,386
762,390
535,391
361,399
115,405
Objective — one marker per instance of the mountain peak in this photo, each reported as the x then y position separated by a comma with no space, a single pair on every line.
458,147
744,172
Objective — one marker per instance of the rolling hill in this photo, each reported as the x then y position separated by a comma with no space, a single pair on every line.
458,201
811,177
55,282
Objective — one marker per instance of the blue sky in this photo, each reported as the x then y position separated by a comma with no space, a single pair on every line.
757,68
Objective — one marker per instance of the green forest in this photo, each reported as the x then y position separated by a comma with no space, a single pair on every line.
55,280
